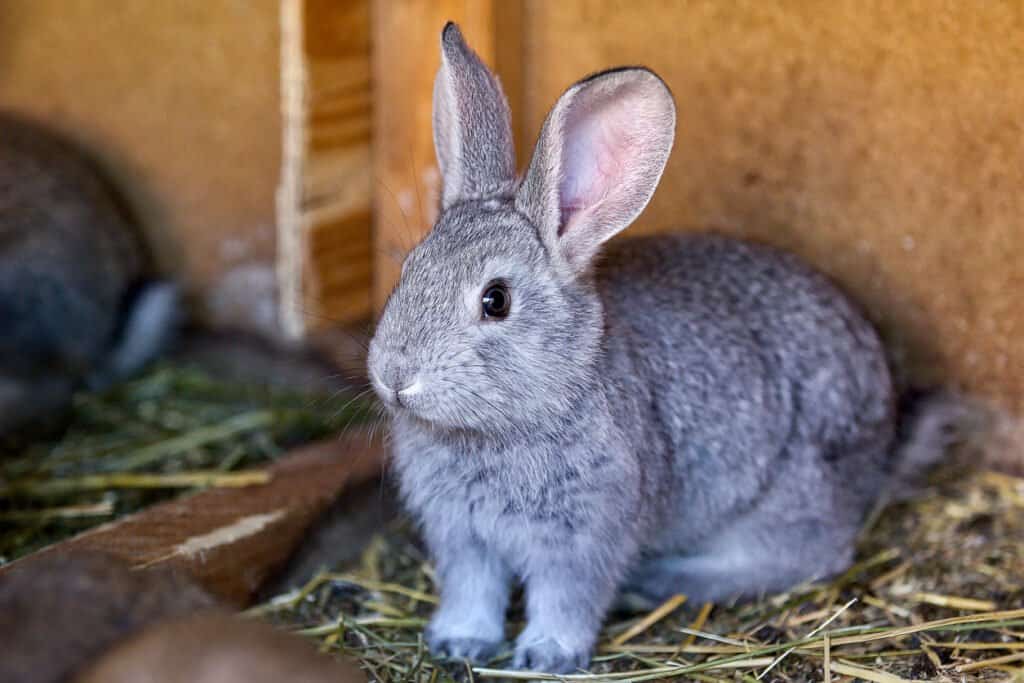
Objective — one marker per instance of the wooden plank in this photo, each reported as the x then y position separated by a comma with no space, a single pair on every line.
231,540
406,38
887,151
337,182
324,198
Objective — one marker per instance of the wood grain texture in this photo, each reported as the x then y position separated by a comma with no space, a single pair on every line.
181,102
881,141
335,207
231,540
406,35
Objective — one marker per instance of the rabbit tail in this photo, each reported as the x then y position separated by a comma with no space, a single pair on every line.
931,423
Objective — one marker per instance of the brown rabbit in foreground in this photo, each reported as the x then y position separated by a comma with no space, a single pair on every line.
89,617
61,611
218,648
76,307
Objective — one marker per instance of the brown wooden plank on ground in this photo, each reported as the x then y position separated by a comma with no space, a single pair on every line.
231,540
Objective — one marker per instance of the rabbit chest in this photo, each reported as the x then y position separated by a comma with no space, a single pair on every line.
522,500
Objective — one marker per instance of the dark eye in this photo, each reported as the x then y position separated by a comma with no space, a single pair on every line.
496,301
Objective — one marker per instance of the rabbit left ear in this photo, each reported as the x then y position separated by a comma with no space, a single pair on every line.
599,158
472,125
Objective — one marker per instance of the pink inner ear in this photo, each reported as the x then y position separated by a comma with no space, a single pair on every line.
596,154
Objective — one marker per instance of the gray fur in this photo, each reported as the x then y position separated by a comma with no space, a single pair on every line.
70,264
686,414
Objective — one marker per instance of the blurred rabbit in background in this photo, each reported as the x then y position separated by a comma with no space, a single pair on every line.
77,308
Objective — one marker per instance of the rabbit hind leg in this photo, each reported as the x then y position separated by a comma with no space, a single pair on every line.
742,563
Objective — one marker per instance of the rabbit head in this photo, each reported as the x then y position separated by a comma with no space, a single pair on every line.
495,323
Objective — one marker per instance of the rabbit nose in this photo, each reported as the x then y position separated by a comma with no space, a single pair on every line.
398,378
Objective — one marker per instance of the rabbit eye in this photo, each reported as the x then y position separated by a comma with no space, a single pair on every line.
496,301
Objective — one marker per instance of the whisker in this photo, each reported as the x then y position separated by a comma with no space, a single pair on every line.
358,396
405,218
416,186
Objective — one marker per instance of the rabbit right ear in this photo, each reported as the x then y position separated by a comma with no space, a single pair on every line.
472,125
599,158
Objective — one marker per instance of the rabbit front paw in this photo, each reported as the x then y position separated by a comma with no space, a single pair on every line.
547,655
476,650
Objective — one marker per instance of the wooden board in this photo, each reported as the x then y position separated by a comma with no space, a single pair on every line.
324,220
882,141
406,44
232,540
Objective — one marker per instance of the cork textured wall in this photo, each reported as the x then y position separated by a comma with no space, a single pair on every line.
882,141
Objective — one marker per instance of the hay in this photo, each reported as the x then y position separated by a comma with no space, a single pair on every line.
937,594
175,429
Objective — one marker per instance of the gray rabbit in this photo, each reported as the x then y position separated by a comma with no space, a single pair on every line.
686,414
76,307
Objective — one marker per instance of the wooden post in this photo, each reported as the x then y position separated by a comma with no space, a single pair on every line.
406,184
324,260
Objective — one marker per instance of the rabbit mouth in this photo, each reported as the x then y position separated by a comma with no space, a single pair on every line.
410,397
390,396
414,401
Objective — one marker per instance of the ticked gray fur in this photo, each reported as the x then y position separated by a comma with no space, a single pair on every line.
680,414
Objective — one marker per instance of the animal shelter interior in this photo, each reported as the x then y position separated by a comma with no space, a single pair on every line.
205,207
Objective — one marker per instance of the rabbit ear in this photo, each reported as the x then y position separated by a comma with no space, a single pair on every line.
472,125
600,155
